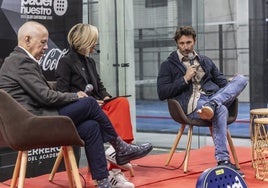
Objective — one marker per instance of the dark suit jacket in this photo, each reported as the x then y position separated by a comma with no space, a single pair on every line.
22,78
73,75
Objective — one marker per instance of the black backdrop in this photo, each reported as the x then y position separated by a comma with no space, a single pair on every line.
12,17
258,52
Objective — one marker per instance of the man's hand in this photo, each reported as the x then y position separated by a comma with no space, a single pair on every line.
190,73
81,94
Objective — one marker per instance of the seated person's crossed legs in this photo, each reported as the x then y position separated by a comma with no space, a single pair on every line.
95,128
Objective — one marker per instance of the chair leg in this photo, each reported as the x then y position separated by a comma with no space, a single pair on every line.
23,167
16,171
131,171
188,148
68,166
128,167
56,165
174,146
232,148
73,165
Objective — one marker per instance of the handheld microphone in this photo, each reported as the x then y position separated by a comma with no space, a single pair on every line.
88,89
191,58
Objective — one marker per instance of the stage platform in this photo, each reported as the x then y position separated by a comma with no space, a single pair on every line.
150,171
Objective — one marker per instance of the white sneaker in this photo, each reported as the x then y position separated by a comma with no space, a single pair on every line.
118,180
110,156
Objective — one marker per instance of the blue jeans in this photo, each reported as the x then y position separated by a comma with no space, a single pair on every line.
94,128
224,98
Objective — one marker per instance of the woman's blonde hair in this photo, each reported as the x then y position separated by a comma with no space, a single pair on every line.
82,37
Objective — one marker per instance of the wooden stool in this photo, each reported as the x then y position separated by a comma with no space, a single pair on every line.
261,148
255,113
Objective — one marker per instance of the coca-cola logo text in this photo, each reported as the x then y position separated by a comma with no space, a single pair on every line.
50,60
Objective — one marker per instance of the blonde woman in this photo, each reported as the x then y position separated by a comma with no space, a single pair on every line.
76,71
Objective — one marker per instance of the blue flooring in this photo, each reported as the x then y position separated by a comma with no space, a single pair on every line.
153,116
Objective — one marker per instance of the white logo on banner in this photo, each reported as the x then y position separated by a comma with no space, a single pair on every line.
50,60
60,7
42,9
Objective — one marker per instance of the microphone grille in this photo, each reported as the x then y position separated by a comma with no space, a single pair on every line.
89,88
191,56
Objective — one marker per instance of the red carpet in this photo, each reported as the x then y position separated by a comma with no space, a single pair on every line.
151,177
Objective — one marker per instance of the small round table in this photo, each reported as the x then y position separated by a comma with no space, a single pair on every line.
255,113
261,148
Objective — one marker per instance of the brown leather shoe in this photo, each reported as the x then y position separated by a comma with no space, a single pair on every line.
207,110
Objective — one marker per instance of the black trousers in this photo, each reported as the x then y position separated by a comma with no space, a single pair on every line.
94,128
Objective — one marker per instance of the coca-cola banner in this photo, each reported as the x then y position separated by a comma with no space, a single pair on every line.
57,15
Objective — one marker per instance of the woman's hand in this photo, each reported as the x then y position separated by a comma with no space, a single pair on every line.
100,102
107,97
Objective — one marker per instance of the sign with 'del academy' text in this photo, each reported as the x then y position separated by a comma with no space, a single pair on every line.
42,153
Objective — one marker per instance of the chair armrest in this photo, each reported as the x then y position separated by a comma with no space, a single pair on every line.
44,131
22,130
176,111
179,116
233,111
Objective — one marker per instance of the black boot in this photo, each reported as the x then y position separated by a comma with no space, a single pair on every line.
127,152
229,164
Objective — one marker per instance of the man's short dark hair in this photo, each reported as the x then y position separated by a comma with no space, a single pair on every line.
185,30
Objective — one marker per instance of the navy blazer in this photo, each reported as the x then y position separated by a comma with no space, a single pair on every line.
73,76
171,84
23,79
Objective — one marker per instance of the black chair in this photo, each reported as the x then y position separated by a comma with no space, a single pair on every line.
23,131
179,116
